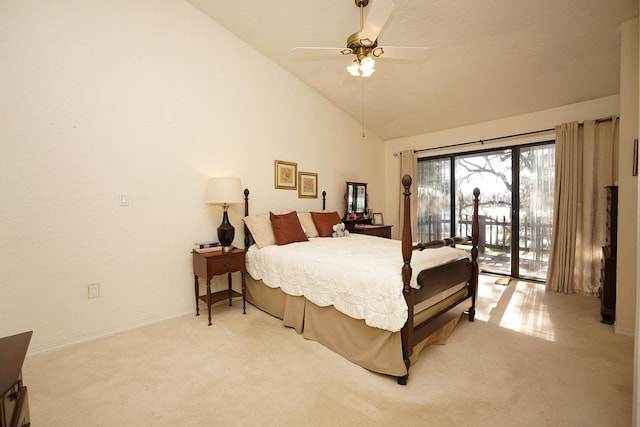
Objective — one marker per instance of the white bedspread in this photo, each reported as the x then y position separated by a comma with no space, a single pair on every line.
359,275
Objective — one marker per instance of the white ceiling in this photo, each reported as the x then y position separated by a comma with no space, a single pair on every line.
487,59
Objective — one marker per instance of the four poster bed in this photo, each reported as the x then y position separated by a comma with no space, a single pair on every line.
353,295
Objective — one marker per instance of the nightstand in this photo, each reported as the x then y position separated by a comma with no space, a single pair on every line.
209,264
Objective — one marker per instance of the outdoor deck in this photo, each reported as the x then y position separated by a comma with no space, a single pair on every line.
500,263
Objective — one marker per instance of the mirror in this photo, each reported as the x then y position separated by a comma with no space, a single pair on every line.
356,199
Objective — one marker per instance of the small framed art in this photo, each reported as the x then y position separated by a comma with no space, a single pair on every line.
378,219
285,175
307,185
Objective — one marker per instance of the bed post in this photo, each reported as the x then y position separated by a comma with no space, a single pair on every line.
407,291
324,200
475,235
246,213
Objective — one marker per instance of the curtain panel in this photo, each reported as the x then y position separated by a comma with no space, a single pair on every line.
584,166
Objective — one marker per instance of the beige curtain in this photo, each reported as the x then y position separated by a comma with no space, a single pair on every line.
408,165
584,166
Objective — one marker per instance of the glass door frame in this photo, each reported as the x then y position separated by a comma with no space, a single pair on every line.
515,195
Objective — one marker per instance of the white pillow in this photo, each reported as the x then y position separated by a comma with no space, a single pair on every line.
260,228
308,225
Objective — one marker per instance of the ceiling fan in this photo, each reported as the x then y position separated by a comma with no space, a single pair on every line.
364,43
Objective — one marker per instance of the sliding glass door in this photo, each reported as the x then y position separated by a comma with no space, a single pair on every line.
535,209
516,205
434,200
492,173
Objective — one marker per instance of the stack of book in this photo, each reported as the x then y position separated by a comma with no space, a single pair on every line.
211,246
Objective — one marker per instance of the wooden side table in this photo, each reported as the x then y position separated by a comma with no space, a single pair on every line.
350,224
373,230
209,264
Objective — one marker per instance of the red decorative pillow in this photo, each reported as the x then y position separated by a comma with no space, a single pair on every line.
287,228
325,221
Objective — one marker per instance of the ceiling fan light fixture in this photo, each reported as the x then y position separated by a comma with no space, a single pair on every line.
363,68
367,64
354,68
367,73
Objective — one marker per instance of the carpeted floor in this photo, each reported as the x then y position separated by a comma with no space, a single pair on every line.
530,359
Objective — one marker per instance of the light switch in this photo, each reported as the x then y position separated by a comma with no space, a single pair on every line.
94,290
124,199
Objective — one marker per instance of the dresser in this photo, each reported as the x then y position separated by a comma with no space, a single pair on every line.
350,224
373,230
609,254
14,404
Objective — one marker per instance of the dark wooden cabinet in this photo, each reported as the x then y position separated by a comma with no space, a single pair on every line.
350,224
14,403
609,255
365,226
373,230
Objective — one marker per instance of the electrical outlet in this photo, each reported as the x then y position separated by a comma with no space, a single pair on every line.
94,290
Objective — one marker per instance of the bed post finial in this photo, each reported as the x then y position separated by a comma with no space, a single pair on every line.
406,226
406,182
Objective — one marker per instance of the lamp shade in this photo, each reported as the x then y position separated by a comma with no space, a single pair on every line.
224,191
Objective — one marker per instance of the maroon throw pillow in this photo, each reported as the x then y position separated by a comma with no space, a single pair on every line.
325,221
287,228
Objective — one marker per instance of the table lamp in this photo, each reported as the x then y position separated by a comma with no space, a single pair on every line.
224,191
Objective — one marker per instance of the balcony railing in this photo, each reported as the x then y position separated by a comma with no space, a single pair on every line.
495,239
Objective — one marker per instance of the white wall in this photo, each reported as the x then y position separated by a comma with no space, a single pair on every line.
627,273
627,183
147,98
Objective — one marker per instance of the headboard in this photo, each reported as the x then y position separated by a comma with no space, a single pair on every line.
248,238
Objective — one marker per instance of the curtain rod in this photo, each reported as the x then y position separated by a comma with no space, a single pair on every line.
482,141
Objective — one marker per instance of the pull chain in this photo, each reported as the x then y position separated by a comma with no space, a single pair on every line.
362,85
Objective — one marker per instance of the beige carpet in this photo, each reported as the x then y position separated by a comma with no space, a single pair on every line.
530,359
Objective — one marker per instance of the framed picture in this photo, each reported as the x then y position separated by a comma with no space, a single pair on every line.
378,219
307,185
635,157
286,175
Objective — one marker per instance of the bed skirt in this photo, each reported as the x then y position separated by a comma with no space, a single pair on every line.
372,348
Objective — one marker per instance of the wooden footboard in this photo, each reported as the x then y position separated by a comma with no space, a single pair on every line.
435,280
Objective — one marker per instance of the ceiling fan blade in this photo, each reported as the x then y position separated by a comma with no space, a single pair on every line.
320,51
379,13
402,52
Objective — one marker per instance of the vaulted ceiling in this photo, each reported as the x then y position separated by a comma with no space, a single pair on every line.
486,59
